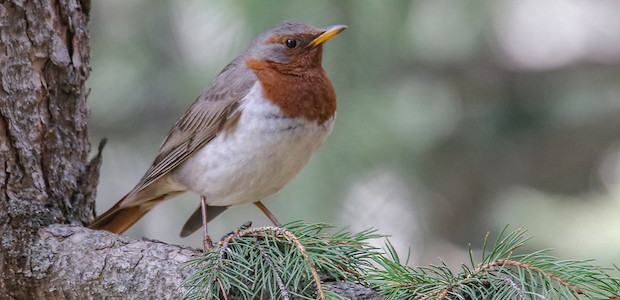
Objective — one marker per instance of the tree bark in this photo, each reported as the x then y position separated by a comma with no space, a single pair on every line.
47,183
73,262
45,176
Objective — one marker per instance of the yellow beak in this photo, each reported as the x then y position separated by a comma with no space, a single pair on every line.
329,33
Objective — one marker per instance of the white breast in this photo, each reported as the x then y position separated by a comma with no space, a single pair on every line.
255,159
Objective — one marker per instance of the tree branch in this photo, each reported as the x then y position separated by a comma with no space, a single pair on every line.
72,262
78,263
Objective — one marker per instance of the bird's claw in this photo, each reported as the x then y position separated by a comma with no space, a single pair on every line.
207,243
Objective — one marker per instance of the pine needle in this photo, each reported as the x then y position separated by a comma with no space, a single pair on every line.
501,274
280,263
290,262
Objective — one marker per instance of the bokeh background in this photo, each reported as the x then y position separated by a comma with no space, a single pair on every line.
455,117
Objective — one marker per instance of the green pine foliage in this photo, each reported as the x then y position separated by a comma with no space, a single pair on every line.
280,263
285,263
501,274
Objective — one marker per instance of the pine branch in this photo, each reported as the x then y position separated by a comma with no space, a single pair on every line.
284,263
501,274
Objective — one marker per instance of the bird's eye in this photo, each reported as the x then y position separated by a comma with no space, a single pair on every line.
291,43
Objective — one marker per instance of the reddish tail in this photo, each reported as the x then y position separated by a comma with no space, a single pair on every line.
127,212
118,219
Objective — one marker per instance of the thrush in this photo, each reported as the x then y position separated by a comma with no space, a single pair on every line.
246,136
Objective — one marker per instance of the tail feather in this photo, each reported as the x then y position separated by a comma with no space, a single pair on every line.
118,219
140,200
195,220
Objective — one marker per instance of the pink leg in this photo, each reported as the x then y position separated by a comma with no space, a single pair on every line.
268,213
206,239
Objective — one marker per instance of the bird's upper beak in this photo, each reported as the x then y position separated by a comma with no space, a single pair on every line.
328,33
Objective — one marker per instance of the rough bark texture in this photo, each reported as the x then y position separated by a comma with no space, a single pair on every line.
45,176
47,179
353,291
86,264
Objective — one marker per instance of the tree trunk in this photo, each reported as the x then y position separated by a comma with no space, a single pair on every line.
47,183
45,175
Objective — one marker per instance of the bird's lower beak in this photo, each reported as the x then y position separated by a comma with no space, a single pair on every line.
329,32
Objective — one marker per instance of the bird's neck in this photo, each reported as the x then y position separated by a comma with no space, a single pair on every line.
298,91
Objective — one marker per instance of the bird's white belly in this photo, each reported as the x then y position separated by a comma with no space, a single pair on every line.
256,158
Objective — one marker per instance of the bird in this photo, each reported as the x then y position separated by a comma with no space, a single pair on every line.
247,135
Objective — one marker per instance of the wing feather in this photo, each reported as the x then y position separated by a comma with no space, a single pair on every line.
215,110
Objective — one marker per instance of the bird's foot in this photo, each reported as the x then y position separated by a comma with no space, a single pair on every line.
207,243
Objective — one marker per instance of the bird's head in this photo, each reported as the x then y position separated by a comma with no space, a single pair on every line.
294,44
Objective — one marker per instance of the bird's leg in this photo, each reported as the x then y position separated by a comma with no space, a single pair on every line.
268,214
206,239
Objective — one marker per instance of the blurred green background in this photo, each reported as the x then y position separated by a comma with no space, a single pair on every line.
455,117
